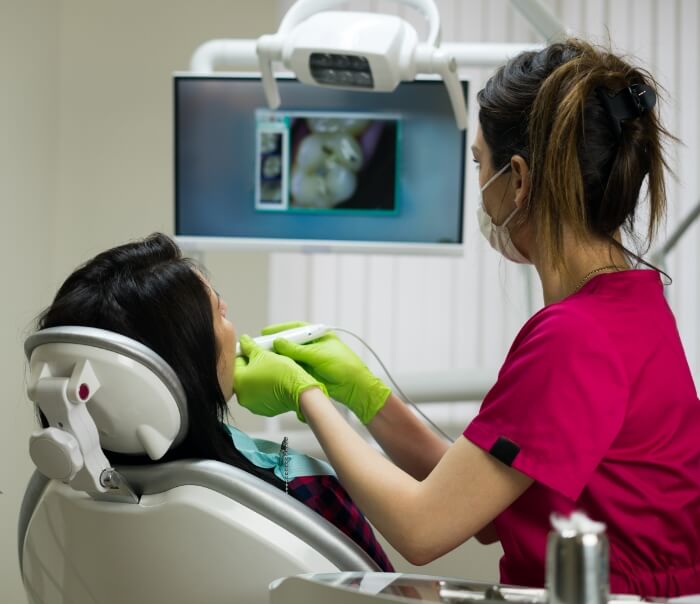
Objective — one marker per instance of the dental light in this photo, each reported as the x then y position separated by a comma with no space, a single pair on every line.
365,51
370,51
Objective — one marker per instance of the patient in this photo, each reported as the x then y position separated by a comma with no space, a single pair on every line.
148,292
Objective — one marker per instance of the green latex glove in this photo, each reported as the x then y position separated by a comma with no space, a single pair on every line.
330,361
267,383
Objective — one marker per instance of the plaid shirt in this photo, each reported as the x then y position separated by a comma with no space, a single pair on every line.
326,496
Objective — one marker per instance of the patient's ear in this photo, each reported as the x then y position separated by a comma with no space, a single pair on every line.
520,180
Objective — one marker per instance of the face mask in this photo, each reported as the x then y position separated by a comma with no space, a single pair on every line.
497,234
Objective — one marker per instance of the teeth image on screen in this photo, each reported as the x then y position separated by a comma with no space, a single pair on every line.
323,173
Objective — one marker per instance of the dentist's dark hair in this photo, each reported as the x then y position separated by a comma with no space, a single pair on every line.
147,291
545,106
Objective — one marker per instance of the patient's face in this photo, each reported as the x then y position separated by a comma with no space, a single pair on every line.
226,340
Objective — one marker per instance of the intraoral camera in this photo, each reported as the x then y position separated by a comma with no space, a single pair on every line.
357,50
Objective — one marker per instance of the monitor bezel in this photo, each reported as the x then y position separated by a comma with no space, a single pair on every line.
202,243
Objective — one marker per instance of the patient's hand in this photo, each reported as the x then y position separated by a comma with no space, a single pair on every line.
267,383
347,378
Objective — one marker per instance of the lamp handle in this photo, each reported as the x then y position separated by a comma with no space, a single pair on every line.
268,50
434,60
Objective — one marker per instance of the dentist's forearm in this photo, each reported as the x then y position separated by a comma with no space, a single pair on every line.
422,519
408,441
412,446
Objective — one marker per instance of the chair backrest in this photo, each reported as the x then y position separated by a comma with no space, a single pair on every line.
193,531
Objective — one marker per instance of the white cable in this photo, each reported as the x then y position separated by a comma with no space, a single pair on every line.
393,382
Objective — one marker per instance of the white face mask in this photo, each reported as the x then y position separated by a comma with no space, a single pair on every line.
497,234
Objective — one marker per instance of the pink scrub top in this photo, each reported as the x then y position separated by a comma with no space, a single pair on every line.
596,403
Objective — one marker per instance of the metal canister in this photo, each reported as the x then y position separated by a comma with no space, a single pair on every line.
578,563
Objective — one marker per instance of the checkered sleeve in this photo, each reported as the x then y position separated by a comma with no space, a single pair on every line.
326,496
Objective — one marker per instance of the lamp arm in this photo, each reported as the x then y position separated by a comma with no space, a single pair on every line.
542,19
236,53
659,257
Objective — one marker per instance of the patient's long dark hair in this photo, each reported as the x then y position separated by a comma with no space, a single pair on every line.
147,291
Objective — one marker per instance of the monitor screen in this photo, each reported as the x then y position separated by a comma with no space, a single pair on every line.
328,169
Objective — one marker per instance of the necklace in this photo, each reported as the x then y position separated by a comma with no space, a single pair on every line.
595,272
284,452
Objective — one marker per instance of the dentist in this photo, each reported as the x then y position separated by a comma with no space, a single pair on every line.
594,407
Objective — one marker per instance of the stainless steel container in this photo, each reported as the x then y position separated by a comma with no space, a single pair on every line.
578,565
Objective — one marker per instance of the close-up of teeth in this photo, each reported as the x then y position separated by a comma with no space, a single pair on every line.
327,162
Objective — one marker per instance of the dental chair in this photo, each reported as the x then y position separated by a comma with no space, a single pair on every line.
185,531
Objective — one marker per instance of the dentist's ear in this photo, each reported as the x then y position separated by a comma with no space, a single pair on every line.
520,180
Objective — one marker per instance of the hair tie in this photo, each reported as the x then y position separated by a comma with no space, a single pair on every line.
629,103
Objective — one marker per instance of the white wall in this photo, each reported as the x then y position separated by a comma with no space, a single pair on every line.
28,118
86,163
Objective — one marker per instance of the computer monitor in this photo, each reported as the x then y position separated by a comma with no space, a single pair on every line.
330,170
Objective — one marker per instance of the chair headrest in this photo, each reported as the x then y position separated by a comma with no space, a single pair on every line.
140,406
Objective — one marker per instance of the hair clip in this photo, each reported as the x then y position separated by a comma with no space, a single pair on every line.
627,104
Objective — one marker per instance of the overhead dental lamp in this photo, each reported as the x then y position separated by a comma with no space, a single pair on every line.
365,51
370,51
